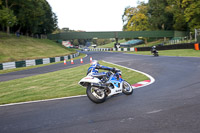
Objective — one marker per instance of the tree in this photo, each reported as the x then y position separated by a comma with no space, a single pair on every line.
8,19
175,7
49,19
180,15
192,13
158,17
34,16
135,18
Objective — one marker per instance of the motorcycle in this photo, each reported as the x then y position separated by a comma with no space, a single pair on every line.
105,84
155,52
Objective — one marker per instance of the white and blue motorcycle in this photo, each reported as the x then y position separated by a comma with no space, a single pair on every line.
102,85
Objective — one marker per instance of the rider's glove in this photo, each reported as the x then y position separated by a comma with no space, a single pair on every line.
113,70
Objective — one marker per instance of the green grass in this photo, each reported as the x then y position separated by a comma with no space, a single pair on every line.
157,42
110,45
14,48
57,84
150,44
179,52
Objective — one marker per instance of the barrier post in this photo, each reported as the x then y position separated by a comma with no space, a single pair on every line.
135,49
196,46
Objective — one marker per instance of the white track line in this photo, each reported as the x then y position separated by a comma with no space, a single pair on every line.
42,100
151,81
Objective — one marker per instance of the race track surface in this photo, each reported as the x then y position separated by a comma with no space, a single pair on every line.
170,105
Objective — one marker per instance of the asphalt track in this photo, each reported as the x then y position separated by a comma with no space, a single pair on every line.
170,105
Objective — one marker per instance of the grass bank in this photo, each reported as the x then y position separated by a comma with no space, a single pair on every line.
57,84
14,48
110,45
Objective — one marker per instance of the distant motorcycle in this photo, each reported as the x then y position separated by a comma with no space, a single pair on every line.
154,51
99,87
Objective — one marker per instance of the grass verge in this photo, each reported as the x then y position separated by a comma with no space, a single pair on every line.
179,52
110,45
57,84
14,48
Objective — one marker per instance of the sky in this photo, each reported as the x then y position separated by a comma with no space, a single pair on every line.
91,15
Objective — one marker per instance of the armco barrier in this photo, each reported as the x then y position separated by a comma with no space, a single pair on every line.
26,63
169,47
113,49
46,61
30,63
166,47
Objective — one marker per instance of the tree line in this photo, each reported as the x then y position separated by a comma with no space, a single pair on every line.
28,17
182,15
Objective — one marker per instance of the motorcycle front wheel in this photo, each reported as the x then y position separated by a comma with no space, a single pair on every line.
95,94
127,88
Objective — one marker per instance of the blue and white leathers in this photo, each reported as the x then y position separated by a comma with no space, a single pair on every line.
94,68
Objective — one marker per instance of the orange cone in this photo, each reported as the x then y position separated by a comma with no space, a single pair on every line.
90,59
72,61
65,62
81,60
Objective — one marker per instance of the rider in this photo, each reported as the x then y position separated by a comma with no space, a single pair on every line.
153,49
95,66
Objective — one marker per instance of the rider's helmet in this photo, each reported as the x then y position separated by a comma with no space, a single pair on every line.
94,62
154,47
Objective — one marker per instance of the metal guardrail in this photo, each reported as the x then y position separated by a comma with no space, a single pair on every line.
26,63
113,49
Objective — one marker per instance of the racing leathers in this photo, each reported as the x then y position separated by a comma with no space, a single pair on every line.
95,69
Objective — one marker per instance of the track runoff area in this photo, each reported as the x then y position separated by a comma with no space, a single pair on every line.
134,86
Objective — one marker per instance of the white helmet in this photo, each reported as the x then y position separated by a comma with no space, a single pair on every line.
94,62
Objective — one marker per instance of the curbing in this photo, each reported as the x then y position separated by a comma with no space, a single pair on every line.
26,63
139,84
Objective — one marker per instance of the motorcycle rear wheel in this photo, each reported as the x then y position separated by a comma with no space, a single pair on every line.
95,94
127,88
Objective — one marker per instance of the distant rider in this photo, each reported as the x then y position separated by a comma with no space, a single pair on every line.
153,49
